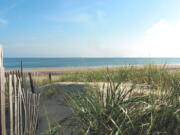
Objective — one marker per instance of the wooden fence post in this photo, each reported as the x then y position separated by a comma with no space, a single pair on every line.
11,105
50,77
2,96
16,104
31,83
23,104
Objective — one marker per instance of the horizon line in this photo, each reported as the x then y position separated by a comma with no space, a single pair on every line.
93,57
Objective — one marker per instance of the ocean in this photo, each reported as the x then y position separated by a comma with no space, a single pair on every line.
14,63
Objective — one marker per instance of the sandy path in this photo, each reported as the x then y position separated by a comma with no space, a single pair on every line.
53,108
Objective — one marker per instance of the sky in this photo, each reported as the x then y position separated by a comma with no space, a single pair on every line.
90,28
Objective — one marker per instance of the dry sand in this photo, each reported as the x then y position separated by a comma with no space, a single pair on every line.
85,69
52,108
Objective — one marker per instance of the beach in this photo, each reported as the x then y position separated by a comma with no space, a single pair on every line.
87,69
136,82
53,95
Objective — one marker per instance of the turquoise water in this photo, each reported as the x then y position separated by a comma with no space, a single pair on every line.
14,63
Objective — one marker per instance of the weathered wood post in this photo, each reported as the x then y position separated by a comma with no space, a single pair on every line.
16,104
11,105
31,83
50,77
2,96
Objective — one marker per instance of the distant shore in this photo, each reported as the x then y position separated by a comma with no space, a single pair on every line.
85,69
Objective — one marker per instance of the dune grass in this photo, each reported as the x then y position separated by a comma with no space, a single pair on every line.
119,111
149,74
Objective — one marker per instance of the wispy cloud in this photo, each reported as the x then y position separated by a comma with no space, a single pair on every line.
8,8
4,11
79,17
83,17
81,14
71,18
3,21
101,16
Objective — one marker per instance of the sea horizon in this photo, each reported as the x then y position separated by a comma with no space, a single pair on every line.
77,62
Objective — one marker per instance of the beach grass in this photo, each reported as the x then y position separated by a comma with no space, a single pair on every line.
149,74
118,109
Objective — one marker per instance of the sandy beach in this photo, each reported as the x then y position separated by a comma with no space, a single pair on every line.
85,69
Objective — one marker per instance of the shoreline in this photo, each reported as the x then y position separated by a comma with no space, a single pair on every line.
85,69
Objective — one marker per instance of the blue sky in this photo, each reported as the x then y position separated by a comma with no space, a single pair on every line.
90,28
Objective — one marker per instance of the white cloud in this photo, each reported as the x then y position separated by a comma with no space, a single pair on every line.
158,27
162,40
